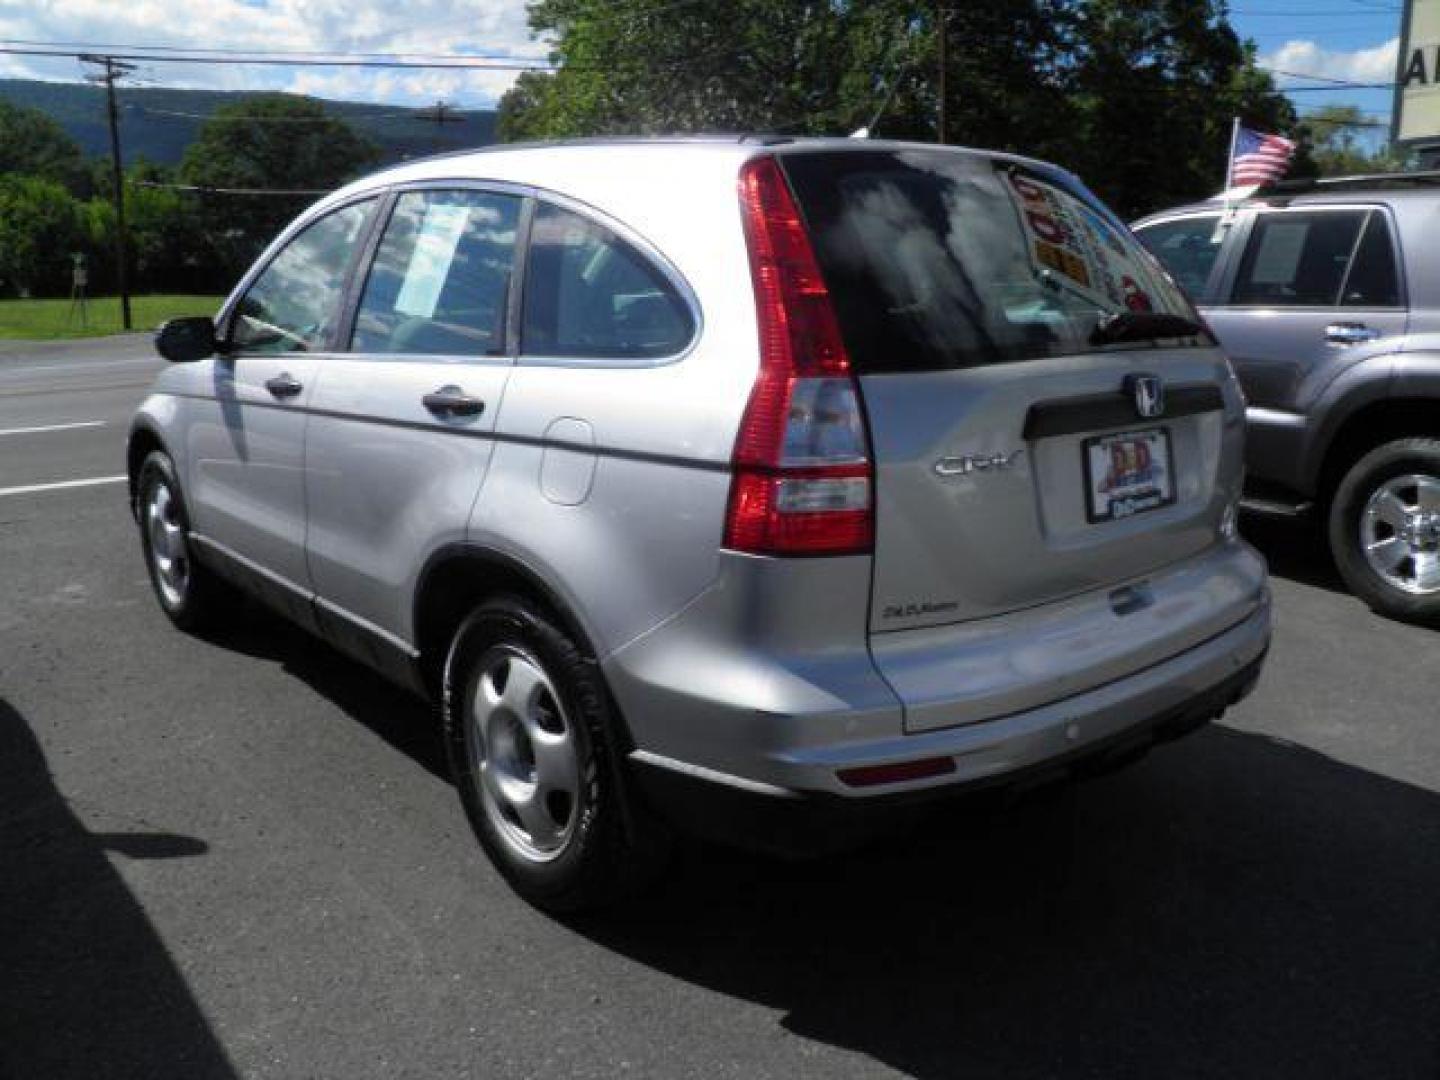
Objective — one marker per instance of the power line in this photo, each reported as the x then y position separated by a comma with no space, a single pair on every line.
208,51
458,63
200,189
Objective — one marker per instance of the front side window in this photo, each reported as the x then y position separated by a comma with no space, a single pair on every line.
1186,247
294,304
1297,258
441,278
590,294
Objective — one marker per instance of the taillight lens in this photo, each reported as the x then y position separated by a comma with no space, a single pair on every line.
803,482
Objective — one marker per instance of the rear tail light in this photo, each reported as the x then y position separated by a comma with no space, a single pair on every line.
803,483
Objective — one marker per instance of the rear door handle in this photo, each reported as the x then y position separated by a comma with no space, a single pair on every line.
284,385
452,401
1350,333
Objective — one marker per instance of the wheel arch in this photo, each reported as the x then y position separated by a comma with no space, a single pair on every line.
458,577
1372,425
142,441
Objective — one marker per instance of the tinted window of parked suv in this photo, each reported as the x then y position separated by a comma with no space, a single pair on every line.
441,276
1187,248
292,306
940,260
1373,281
1297,258
589,293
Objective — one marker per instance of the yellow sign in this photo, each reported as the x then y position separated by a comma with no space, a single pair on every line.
1417,97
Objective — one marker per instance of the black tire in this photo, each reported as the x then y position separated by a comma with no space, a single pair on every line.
1402,457
612,846
197,604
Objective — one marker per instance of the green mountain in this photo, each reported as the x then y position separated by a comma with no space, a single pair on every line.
158,123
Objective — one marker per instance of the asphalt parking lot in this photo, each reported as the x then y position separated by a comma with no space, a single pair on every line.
240,857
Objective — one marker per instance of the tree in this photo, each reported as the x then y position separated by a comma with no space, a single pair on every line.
1156,87
1136,96
1336,137
34,145
39,230
652,66
273,142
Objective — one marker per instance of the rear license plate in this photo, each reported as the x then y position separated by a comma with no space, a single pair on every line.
1127,474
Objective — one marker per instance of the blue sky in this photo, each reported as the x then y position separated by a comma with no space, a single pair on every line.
1339,39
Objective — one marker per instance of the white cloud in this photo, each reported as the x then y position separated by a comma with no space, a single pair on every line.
1373,65
448,27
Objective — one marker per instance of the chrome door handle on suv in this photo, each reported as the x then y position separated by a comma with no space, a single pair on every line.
284,385
452,401
1350,333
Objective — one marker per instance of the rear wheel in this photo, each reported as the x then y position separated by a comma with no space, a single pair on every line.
1385,529
188,592
531,737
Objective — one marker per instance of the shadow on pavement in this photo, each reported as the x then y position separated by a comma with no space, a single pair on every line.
1296,550
87,988
396,716
1232,907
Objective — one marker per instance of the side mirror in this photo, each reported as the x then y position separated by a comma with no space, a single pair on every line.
185,340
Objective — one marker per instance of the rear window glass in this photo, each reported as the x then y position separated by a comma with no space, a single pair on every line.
1373,281
1187,248
941,260
590,294
1297,259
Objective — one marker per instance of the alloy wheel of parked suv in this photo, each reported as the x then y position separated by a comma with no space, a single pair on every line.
1385,529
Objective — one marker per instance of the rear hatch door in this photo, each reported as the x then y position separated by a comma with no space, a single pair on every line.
1043,420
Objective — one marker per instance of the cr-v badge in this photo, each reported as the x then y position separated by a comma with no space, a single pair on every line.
973,463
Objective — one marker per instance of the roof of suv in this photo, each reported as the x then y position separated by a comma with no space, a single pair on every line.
1382,187
519,158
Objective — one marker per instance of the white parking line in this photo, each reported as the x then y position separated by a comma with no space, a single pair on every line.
28,489
52,427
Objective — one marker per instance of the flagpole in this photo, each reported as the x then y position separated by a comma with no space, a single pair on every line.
1230,161
1226,217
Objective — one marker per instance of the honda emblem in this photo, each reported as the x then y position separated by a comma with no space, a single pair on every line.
1148,393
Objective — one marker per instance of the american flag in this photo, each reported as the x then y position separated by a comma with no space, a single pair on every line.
1259,158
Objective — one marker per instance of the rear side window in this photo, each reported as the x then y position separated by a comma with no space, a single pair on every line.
588,293
1187,248
936,259
294,303
441,278
1297,258
1373,281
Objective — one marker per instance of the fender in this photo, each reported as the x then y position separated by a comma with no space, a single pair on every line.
1358,386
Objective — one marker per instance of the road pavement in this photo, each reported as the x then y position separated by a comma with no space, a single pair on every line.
240,856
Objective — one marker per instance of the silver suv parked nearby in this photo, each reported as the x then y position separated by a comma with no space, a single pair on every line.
1325,295
756,486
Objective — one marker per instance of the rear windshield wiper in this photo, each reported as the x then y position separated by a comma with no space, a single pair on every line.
1143,326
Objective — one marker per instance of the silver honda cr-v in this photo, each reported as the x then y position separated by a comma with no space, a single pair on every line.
755,485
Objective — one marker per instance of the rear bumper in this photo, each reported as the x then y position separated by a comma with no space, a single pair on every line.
798,823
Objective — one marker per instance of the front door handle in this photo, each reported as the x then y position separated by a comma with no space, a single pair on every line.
284,385
452,401
1350,333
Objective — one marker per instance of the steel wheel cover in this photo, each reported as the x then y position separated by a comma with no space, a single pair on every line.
524,754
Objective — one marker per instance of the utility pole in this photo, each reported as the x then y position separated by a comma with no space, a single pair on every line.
940,25
113,70
441,114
